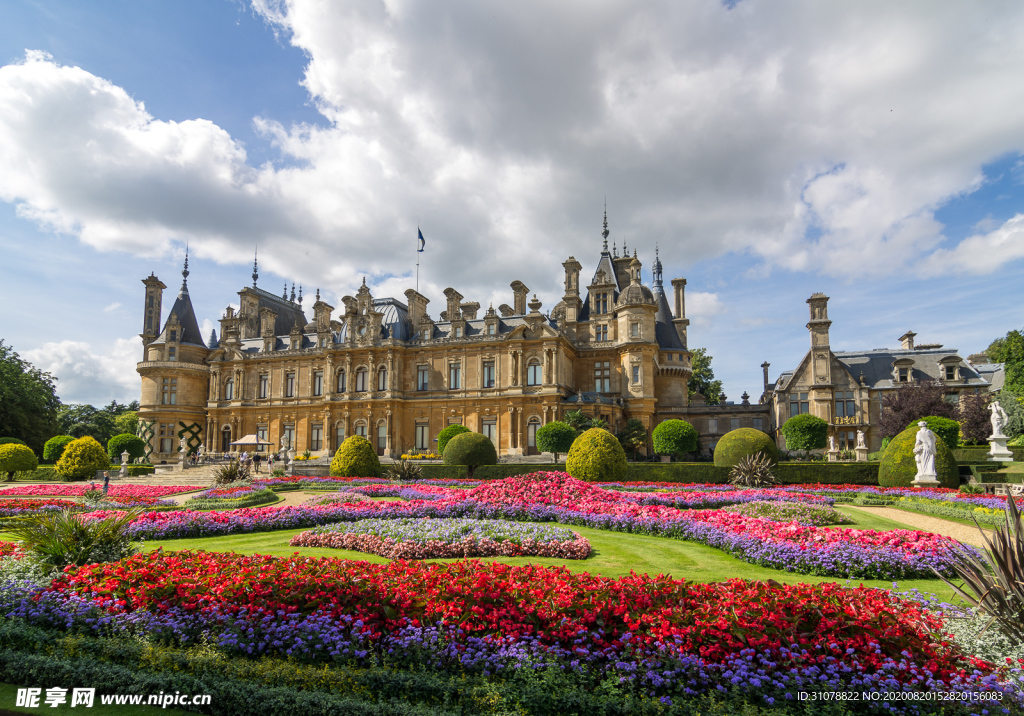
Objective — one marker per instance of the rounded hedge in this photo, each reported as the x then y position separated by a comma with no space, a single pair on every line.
555,437
805,432
82,458
11,441
54,447
356,458
447,434
596,455
135,446
17,458
675,437
742,442
946,428
470,449
898,466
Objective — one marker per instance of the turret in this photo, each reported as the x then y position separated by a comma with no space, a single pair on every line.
151,310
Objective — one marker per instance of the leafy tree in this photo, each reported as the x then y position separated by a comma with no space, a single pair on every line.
596,456
1013,404
578,420
945,428
127,422
470,449
703,378
54,447
135,446
82,458
79,420
16,458
911,402
805,432
555,437
28,400
632,436
996,350
675,437
973,416
1013,361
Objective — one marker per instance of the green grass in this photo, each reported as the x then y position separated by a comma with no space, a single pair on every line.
9,694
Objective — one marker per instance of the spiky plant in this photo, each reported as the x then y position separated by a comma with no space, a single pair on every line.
234,471
753,471
60,538
404,471
970,489
994,584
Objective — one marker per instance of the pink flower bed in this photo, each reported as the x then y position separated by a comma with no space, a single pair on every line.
578,548
79,488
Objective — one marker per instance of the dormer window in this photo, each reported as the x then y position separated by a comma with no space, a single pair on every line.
458,332
174,336
902,375
601,333
950,372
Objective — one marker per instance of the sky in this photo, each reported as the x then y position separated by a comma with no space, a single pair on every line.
873,151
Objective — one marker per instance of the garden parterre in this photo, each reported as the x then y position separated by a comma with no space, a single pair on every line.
79,489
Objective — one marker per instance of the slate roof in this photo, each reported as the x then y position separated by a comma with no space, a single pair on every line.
182,308
665,333
876,365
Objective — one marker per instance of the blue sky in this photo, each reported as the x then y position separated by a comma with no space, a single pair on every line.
770,150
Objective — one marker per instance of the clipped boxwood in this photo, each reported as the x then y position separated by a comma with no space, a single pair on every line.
355,458
82,458
556,437
596,456
16,458
898,466
805,432
674,437
433,471
946,428
447,434
11,441
54,447
135,446
738,444
471,450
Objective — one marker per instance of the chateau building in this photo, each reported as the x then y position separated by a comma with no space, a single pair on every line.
385,369
846,388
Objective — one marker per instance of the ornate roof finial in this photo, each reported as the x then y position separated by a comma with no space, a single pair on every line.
300,294
605,232
615,251
293,292
364,281
284,294
255,269
634,253
656,269
625,251
318,295
184,271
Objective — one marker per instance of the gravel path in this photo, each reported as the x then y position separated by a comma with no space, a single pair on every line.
937,525
287,498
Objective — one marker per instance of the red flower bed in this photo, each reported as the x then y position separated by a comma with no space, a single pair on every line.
79,489
11,549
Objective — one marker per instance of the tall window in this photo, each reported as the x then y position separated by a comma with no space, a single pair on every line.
458,332
261,433
172,353
602,377
798,404
318,382
382,379
634,329
601,303
422,377
636,374
174,336
488,376
170,391
531,433
382,438
225,440
361,384
341,381
846,406
264,385
229,389
167,437
289,385
361,429
712,426
758,424
316,437
422,436
490,429
903,375
491,329
601,333
734,423
288,437
950,372
454,376
533,373
339,435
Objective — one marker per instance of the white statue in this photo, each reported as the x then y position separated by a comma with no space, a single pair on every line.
924,452
860,440
998,417
181,446
831,443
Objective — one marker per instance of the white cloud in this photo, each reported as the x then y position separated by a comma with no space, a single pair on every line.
112,307
84,376
980,253
702,307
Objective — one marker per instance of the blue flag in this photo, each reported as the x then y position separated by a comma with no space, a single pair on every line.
423,242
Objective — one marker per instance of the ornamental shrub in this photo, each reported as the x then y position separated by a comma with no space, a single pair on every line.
675,437
470,449
16,458
11,441
135,446
946,428
356,458
54,447
82,458
448,433
805,432
742,442
555,437
898,466
596,455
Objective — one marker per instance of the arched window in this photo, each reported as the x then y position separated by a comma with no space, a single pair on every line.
361,428
531,435
382,379
533,372
361,380
229,389
225,440
341,380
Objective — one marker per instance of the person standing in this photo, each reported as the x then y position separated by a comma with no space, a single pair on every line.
256,462
106,482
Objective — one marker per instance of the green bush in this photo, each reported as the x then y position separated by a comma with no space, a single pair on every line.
805,432
945,428
82,458
675,437
433,471
16,458
738,444
355,458
471,450
11,441
54,448
135,446
898,466
447,434
556,437
596,456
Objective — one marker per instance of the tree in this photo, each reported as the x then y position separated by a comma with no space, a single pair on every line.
1013,362
127,422
28,401
578,420
16,458
447,434
805,432
555,437
912,402
1013,404
79,420
632,436
703,378
675,437
974,418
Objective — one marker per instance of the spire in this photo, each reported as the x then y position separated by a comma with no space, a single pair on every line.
656,269
318,295
255,269
300,294
605,232
284,294
625,251
615,251
184,272
293,292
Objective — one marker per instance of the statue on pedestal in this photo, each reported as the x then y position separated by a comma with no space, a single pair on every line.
860,439
924,453
831,443
998,417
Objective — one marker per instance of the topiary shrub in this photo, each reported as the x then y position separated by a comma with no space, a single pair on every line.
81,459
805,432
11,441
555,437
675,437
16,458
946,428
447,434
471,450
135,446
898,466
596,455
356,458
54,447
738,444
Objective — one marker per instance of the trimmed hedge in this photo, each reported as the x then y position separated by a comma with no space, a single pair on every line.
135,446
433,471
675,437
596,455
470,449
16,458
898,466
980,454
805,432
738,444
946,428
355,458
447,434
82,458
54,447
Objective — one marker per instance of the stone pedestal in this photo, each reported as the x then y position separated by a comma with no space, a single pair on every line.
998,450
926,481
862,454
666,458
833,455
